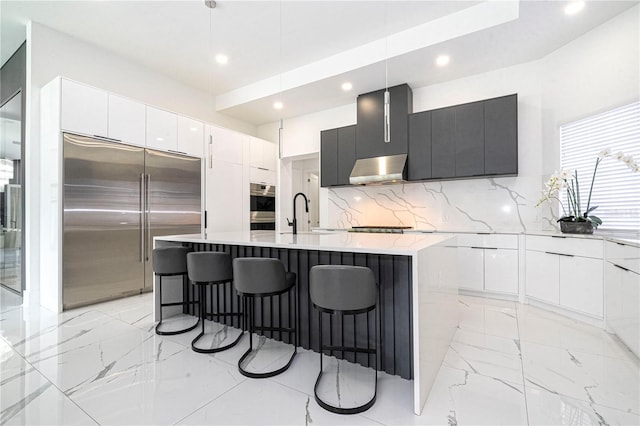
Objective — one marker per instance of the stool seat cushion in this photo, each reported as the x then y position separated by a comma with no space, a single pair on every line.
209,266
342,287
170,260
261,276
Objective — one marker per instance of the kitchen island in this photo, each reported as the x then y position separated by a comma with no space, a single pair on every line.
417,279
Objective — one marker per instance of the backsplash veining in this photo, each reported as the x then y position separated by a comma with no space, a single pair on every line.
475,205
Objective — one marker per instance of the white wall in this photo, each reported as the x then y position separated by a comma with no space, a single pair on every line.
595,72
50,54
301,135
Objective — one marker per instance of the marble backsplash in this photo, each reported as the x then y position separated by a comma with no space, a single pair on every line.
474,205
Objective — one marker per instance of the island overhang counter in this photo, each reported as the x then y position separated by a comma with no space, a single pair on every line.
416,275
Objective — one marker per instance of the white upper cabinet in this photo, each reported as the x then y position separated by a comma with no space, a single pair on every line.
126,120
162,129
269,155
190,136
84,109
226,191
224,144
260,153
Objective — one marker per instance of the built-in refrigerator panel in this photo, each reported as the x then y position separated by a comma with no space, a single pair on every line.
173,198
103,239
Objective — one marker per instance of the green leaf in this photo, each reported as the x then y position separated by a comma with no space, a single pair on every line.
595,220
590,210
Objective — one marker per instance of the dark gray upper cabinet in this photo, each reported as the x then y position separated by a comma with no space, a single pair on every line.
329,157
501,136
419,158
469,139
443,147
346,153
370,127
337,155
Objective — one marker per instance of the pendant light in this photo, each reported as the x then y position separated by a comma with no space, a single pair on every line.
281,123
387,96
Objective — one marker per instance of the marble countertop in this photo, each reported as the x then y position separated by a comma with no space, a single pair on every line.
629,238
399,244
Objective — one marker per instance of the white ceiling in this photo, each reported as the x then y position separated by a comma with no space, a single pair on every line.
306,49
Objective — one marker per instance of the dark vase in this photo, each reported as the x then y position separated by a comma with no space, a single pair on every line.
576,227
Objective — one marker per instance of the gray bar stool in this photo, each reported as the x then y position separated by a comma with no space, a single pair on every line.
256,277
211,268
170,262
344,290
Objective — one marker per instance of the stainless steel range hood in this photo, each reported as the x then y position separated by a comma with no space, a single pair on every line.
387,169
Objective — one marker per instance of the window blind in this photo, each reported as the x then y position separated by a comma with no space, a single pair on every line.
616,190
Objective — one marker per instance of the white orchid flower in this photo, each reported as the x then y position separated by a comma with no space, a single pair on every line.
605,153
628,160
620,156
565,174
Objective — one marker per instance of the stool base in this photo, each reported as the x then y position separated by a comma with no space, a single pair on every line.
249,305
162,305
342,410
355,350
204,315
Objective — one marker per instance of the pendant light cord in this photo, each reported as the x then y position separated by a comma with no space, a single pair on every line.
387,96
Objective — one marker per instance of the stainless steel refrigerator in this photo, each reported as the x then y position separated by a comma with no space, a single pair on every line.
117,197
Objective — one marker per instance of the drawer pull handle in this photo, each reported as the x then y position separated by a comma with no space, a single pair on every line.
559,254
621,267
558,236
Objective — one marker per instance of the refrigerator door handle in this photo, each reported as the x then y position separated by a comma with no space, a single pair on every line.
147,224
142,221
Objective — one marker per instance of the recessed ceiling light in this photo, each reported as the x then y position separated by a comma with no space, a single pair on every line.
574,7
194,129
277,105
442,60
159,139
222,59
347,86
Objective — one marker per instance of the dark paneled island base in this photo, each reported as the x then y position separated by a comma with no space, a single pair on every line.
393,275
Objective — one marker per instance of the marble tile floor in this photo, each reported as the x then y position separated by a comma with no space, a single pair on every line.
509,364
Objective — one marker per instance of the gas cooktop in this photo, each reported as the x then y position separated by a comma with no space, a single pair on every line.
380,229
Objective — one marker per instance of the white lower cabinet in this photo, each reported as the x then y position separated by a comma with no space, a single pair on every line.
488,262
471,268
581,287
225,193
567,272
622,293
543,276
501,270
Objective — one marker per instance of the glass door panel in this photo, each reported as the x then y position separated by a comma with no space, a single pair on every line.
11,192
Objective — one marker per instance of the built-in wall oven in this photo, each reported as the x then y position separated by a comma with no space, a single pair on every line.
263,207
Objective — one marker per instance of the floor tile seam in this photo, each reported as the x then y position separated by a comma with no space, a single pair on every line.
243,380
487,348
586,400
487,376
580,351
488,334
57,388
312,397
524,383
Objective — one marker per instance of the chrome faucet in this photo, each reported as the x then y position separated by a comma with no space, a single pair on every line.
294,223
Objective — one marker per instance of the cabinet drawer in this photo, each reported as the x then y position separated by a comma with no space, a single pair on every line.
581,285
623,255
542,273
488,241
584,247
257,175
